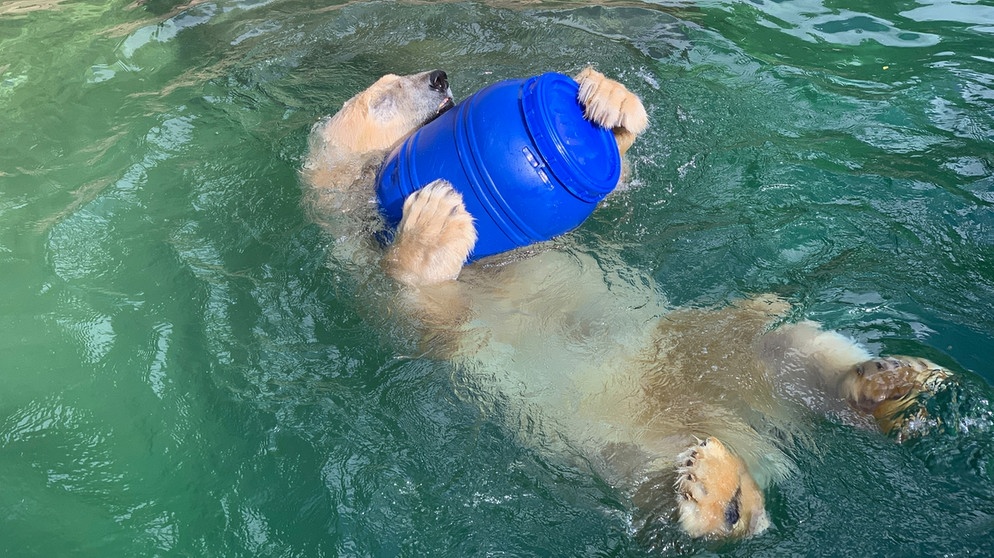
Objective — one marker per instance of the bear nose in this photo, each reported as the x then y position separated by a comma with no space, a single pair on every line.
438,81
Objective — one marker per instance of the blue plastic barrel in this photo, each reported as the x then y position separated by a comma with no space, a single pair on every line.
528,164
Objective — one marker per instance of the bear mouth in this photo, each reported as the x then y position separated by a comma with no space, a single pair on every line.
444,106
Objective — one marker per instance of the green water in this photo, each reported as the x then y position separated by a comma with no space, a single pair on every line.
184,373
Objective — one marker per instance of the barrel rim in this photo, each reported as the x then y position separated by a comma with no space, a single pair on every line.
540,102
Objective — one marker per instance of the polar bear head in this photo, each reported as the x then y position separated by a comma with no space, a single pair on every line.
388,110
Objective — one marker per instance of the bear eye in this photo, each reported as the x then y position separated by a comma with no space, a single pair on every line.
732,514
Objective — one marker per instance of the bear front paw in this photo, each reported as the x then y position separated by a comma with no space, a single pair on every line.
433,239
716,494
610,104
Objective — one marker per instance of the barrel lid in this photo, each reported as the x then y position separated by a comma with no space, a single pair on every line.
582,155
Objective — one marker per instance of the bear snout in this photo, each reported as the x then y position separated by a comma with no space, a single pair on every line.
438,81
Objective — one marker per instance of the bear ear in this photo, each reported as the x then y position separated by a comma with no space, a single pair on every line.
383,107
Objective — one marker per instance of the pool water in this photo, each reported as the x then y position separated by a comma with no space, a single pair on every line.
185,370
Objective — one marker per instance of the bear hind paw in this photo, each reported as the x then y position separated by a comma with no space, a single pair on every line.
716,495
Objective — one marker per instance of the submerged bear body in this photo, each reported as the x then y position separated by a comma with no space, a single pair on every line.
687,410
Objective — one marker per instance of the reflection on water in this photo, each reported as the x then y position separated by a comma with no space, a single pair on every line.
184,371
814,22
972,12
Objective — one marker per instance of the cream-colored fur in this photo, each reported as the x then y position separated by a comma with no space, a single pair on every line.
428,249
368,124
345,149
580,354
718,495
613,106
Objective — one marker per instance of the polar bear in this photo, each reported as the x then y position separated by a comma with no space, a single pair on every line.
687,410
